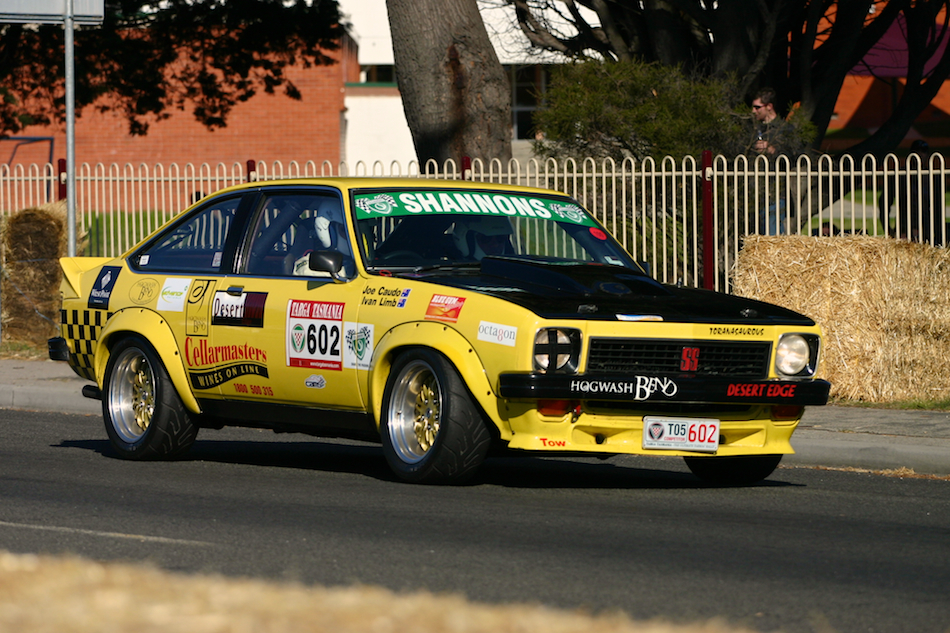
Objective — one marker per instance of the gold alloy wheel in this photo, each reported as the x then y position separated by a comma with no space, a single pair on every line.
415,411
131,394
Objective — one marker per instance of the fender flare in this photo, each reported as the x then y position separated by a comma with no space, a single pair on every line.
153,328
444,340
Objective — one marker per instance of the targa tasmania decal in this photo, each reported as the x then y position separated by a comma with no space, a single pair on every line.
314,334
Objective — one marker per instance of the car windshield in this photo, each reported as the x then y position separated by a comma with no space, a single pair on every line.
419,229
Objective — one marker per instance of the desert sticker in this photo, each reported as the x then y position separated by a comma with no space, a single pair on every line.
315,334
444,308
243,310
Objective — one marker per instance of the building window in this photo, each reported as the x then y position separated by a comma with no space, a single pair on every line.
528,84
380,74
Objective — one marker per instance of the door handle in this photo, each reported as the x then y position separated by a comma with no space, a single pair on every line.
235,291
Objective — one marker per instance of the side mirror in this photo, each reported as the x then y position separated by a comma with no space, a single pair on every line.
329,262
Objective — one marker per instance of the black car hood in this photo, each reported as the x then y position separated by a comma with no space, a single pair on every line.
604,292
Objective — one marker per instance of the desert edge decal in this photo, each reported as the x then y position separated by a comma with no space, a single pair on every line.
359,345
315,334
143,291
398,203
198,308
497,333
102,289
243,310
444,308
212,365
173,295
757,390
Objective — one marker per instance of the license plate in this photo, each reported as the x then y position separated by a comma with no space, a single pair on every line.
681,434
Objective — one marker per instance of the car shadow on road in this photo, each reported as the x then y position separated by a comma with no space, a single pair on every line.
509,470
586,473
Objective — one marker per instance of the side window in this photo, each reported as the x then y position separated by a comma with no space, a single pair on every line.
195,244
291,226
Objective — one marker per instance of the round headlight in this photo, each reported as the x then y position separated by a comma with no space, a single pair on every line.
792,355
552,349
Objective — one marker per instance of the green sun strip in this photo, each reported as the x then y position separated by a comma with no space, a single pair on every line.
402,203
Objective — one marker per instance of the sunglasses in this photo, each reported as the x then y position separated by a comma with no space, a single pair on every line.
756,107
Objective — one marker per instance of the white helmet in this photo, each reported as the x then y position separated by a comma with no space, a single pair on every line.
470,233
328,212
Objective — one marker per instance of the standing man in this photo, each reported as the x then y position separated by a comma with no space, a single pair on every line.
764,115
773,137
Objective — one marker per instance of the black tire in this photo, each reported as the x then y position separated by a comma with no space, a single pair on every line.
733,471
432,431
144,417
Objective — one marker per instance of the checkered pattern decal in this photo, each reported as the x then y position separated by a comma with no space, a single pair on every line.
81,330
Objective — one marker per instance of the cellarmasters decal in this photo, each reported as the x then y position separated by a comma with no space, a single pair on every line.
102,289
212,365
315,334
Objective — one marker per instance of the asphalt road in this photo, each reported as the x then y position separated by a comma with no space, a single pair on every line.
808,550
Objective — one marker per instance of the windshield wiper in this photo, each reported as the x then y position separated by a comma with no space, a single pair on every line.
451,266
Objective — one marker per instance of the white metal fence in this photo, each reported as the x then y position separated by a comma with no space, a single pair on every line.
687,218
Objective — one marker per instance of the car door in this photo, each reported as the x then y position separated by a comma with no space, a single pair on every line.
278,327
177,274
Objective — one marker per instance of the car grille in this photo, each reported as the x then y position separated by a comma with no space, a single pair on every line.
666,358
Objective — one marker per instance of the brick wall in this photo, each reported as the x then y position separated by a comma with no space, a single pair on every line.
265,128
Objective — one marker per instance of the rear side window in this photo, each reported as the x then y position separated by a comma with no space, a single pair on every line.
289,226
195,244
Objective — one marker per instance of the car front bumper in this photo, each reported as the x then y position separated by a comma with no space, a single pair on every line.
604,414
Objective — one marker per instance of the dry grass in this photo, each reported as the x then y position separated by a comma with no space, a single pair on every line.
899,473
883,304
33,241
48,595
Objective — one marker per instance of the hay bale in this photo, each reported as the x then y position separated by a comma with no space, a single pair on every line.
883,304
33,241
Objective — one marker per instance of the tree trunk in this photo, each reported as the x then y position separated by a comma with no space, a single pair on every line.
454,90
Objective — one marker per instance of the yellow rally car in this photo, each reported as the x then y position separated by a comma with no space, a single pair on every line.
441,318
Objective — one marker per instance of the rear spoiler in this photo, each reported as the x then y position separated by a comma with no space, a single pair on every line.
73,269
